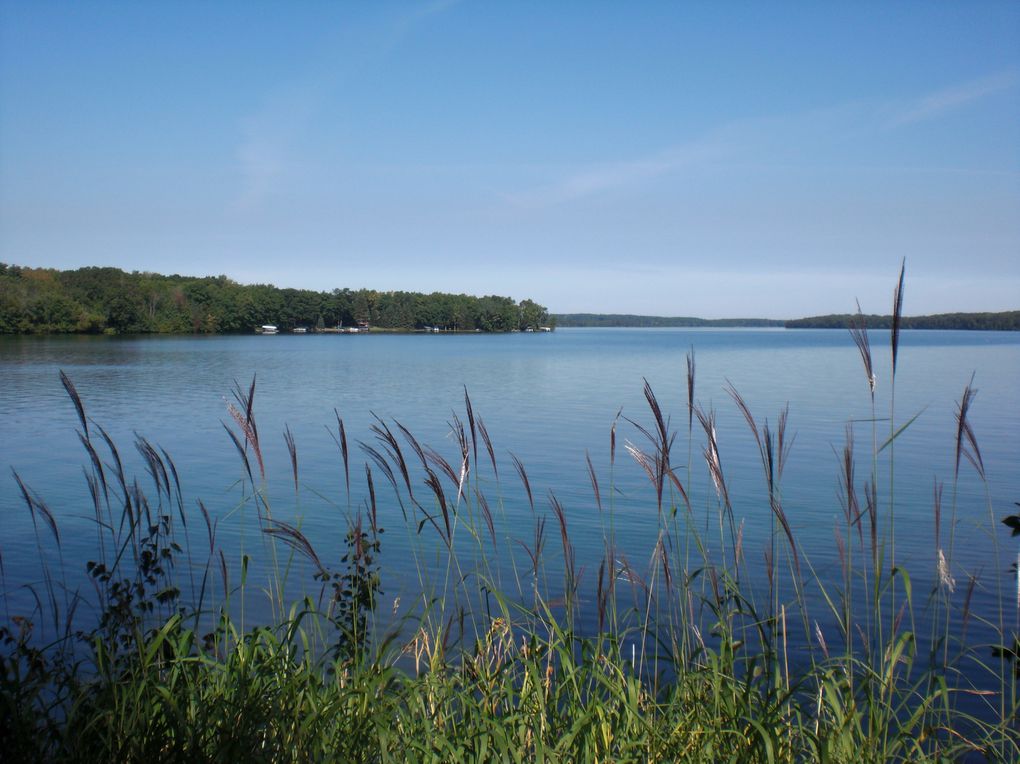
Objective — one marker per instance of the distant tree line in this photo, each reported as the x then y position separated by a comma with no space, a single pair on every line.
1008,321
627,319
96,300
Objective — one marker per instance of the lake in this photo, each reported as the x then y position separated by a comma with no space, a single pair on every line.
548,398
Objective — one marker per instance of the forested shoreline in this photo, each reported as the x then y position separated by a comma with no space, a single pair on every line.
97,300
631,320
1006,321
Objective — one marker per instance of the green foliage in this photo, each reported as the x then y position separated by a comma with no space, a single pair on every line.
533,315
1007,321
129,602
627,319
355,593
97,300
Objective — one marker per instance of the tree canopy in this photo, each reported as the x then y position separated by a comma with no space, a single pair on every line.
1004,321
93,300
631,320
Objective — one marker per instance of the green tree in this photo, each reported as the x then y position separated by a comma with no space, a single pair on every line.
532,315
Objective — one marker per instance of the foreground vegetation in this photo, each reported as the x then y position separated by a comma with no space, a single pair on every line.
92,300
511,652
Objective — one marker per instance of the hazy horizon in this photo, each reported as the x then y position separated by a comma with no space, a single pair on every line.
772,161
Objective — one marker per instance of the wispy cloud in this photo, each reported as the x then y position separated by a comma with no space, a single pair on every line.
790,140
270,134
433,8
949,99
263,153
762,139
607,176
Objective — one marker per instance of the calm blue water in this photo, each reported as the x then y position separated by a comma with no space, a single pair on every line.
549,399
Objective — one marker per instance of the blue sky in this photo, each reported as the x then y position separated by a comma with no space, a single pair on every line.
707,159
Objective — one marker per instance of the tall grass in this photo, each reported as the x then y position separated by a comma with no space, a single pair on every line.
505,648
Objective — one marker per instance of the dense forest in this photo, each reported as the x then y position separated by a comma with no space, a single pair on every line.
97,300
1006,321
627,319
